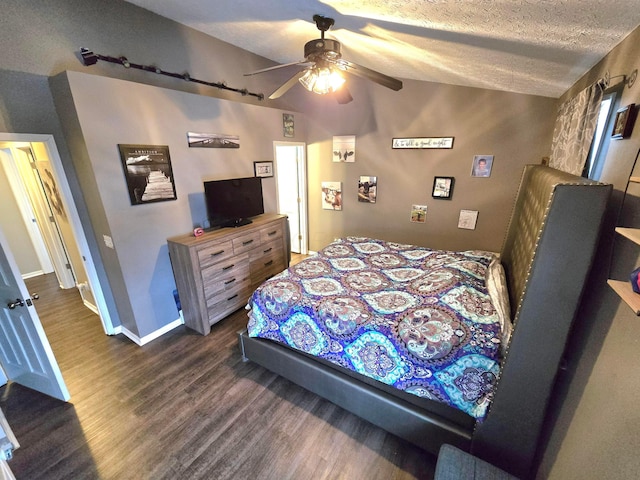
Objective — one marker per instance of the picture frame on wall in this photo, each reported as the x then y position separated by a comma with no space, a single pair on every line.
367,189
442,187
147,170
482,165
623,124
263,169
288,125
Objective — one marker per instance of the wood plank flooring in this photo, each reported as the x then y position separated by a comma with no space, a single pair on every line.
184,407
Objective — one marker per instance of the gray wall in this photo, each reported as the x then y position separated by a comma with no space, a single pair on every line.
594,430
516,129
101,113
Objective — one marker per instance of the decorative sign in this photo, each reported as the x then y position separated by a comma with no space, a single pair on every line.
423,142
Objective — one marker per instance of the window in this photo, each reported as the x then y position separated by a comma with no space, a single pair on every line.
600,144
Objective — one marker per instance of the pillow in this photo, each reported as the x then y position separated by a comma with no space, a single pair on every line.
497,288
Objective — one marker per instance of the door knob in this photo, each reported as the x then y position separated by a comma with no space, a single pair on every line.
17,303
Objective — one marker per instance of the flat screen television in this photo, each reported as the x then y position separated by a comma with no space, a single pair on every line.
231,202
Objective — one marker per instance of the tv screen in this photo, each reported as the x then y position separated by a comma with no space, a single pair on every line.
231,202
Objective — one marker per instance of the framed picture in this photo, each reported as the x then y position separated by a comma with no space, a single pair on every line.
482,165
625,118
418,213
212,140
263,169
344,148
442,187
147,169
332,195
367,189
422,142
468,219
287,125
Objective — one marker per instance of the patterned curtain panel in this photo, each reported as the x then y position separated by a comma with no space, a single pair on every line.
574,129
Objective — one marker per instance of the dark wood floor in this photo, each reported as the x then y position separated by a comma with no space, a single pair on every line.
184,407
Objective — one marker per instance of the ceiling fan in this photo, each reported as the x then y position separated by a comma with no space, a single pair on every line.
325,67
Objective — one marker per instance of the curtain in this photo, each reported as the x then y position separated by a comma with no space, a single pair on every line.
574,130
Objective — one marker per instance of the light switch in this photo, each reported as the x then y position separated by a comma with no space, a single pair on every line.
108,241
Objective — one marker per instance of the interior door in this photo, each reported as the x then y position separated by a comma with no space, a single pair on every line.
291,188
25,353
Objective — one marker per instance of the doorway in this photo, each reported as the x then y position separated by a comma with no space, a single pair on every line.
291,188
32,160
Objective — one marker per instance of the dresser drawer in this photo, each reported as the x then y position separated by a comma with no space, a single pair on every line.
271,232
266,266
266,250
224,276
223,304
246,242
213,253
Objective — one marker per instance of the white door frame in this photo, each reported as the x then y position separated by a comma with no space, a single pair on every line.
74,219
302,189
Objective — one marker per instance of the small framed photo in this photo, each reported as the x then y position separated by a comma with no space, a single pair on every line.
625,118
367,189
287,125
418,213
442,187
263,169
482,165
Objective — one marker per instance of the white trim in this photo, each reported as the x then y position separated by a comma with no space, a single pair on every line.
36,273
153,335
76,226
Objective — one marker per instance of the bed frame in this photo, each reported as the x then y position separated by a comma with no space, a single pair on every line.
547,254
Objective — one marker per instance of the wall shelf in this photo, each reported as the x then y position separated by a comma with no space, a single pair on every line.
632,234
634,179
624,290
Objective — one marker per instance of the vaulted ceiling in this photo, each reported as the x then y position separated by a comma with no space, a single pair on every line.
538,47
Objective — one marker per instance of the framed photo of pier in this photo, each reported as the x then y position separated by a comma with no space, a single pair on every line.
147,170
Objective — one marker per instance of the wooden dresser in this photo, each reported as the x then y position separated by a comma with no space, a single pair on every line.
217,272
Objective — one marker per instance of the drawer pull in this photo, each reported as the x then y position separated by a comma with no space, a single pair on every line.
268,263
231,298
217,253
267,250
248,242
228,282
228,267
272,233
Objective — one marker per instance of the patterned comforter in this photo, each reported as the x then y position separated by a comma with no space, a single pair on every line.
418,319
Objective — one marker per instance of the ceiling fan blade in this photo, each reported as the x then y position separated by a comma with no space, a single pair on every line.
364,72
275,67
342,95
287,85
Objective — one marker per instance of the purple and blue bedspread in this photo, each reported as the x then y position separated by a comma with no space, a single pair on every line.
418,319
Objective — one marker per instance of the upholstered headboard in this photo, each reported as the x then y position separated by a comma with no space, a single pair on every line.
547,255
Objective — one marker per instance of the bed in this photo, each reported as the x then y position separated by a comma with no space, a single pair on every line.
445,365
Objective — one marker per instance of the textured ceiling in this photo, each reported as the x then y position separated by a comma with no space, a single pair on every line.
539,47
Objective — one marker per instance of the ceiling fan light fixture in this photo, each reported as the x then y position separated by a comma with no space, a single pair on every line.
322,80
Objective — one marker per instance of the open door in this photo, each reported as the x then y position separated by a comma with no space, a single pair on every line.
25,353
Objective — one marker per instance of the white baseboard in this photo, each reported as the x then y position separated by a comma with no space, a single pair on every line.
32,274
152,336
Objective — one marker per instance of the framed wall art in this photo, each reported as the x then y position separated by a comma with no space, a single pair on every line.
623,125
418,213
288,125
263,169
422,142
147,170
332,195
442,187
344,148
212,140
482,165
367,189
